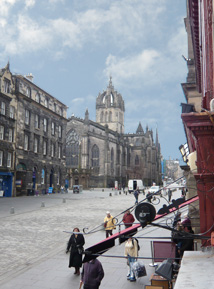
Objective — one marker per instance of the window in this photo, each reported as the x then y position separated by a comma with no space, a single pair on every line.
112,161
3,108
53,128
6,86
59,151
110,116
1,158
12,111
137,161
10,135
101,117
52,150
60,111
36,144
95,156
26,142
46,102
1,132
45,124
9,159
60,131
43,177
27,117
37,98
37,121
72,149
54,107
28,92
44,147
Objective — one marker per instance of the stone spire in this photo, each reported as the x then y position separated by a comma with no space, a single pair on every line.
139,129
86,115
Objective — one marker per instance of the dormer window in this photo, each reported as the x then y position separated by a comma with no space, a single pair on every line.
6,86
37,98
46,102
28,92
54,107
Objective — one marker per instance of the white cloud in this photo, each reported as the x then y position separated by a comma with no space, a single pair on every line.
29,3
132,67
122,23
5,6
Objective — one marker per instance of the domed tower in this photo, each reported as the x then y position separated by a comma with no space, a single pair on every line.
110,109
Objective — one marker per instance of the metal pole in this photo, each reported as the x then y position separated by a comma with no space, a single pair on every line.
152,253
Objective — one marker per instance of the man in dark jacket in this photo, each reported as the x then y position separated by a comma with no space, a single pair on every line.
92,274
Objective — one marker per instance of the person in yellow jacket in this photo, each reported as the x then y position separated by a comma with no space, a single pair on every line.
131,252
109,224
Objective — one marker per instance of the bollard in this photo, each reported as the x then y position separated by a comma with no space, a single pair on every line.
119,192
110,195
64,200
102,190
126,193
43,204
12,211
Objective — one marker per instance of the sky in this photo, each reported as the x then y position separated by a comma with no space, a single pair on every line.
72,47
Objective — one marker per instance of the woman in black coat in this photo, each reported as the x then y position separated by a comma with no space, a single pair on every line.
76,243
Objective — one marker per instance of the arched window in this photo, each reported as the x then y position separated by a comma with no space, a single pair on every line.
112,161
112,99
37,98
95,156
106,117
101,117
28,92
137,161
46,102
110,116
72,149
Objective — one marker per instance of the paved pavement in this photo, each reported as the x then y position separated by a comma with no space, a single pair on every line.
32,241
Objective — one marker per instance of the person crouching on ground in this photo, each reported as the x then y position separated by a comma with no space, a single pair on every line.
131,252
76,243
128,219
92,274
109,224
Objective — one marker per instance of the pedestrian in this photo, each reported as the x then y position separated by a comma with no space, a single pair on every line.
131,253
149,197
169,195
186,244
186,221
76,243
109,224
62,189
92,274
177,219
136,194
128,219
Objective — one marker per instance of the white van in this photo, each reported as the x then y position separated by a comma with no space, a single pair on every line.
135,184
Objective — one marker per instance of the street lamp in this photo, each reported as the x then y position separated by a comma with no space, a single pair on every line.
184,149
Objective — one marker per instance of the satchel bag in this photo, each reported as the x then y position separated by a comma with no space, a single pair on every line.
80,250
138,269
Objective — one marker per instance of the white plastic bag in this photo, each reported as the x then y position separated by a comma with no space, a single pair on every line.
139,269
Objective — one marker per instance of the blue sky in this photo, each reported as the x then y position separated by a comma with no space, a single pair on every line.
73,46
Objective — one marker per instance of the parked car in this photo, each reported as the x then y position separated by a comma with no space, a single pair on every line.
154,189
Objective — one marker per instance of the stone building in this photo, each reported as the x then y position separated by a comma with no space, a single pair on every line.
39,136
98,154
7,132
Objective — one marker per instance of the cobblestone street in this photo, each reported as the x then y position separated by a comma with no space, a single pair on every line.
34,234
